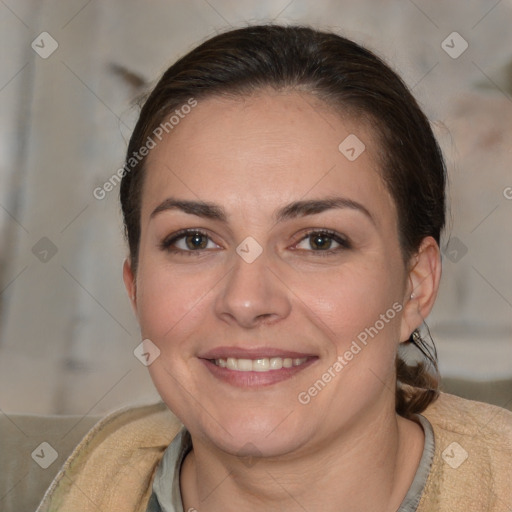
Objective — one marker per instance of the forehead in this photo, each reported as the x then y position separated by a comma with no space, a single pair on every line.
264,150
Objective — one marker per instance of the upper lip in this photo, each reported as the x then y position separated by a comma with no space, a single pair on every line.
251,353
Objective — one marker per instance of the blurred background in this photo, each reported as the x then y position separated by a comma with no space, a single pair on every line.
68,77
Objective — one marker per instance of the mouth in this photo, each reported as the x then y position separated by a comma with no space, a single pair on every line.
253,368
264,364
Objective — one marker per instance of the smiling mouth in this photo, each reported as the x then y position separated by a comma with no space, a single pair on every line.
264,364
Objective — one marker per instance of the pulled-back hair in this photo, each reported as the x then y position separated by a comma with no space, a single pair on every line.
348,78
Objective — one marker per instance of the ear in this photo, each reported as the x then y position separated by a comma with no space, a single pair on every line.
423,283
130,285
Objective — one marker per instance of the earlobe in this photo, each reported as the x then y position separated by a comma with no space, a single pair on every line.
130,284
420,295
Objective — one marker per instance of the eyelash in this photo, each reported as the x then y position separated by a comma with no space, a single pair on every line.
167,243
343,242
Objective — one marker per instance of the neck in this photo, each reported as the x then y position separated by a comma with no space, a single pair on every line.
368,466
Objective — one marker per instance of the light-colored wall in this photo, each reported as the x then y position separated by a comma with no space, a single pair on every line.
67,332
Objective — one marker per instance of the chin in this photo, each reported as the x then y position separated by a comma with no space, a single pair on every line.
255,435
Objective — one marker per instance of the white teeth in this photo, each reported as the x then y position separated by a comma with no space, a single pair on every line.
244,365
276,363
287,362
264,364
261,365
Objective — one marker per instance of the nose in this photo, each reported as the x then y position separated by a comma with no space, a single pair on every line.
252,295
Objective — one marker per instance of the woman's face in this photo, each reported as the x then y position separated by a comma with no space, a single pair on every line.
292,257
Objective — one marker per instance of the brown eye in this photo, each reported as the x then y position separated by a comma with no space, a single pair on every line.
320,241
323,242
188,241
196,241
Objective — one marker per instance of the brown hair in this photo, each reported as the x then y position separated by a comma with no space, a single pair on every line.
344,75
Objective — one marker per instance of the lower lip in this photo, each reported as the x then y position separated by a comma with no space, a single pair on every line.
255,379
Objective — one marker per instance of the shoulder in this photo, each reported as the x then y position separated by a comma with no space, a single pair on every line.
467,418
472,464
113,465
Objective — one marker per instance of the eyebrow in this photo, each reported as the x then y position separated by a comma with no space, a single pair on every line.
290,211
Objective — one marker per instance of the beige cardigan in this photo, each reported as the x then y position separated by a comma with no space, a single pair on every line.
112,468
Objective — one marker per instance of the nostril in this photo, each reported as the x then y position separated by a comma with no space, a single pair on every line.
266,318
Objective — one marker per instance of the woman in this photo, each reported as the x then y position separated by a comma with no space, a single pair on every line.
283,198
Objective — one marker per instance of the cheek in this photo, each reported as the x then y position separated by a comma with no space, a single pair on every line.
356,309
169,301
352,299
